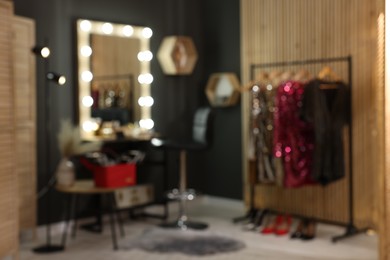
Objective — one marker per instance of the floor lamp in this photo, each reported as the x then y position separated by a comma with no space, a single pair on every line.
44,52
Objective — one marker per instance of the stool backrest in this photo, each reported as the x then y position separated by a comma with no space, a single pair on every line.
201,130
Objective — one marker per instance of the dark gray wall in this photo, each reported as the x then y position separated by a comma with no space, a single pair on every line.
215,31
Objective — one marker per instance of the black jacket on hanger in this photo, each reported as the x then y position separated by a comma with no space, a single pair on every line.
327,106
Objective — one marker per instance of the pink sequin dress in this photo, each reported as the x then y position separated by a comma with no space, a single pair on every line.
293,138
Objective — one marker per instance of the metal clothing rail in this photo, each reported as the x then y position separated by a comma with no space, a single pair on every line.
351,229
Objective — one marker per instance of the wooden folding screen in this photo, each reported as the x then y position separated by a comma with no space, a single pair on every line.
8,178
25,120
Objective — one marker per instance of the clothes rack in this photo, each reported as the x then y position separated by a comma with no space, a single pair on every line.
351,229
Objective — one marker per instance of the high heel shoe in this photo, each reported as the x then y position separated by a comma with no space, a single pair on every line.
300,229
310,231
272,224
284,227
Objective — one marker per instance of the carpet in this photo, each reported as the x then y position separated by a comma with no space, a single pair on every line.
189,242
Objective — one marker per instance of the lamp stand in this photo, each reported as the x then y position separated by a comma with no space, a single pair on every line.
48,247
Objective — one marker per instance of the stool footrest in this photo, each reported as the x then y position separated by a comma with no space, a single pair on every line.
189,194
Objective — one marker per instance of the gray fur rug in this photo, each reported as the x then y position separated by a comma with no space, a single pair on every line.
189,242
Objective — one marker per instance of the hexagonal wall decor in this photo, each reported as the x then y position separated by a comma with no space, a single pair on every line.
223,89
177,55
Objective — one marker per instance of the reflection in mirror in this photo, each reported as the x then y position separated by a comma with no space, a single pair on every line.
114,75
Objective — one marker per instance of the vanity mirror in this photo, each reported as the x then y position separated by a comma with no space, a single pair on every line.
113,75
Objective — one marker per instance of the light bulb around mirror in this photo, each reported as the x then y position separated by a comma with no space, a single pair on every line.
85,25
87,76
128,30
145,56
147,101
86,51
107,28
146,123
147,32
145,78
87,101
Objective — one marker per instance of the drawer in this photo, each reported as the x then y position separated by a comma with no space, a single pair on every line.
134,196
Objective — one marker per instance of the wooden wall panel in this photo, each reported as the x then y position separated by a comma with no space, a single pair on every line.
286,30
8,179
25,116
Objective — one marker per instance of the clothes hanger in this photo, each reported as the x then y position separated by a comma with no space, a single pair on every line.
328,74
302,75
283,77
274,78
329,77
261,79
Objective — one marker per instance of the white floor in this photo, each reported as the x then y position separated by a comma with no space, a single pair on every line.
219,214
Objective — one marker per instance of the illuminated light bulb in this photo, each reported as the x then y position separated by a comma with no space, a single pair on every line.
145,56
141,79
156,142
107,28
89,126
87,76
146,101
62,80
87,101
57,78
141,101
86,51
86,25
147,32
145,78
128,30
45,52
146,123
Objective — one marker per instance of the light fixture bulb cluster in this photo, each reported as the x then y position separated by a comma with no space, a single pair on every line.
44,52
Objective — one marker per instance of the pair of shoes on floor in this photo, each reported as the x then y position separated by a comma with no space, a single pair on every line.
280,225
306,230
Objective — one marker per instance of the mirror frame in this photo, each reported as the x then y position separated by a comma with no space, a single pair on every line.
85,28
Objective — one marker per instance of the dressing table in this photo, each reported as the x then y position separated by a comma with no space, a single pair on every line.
114,102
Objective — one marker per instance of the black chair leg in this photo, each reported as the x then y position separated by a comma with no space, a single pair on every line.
74,211
68,209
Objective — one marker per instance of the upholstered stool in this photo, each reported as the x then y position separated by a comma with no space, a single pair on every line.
201,139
